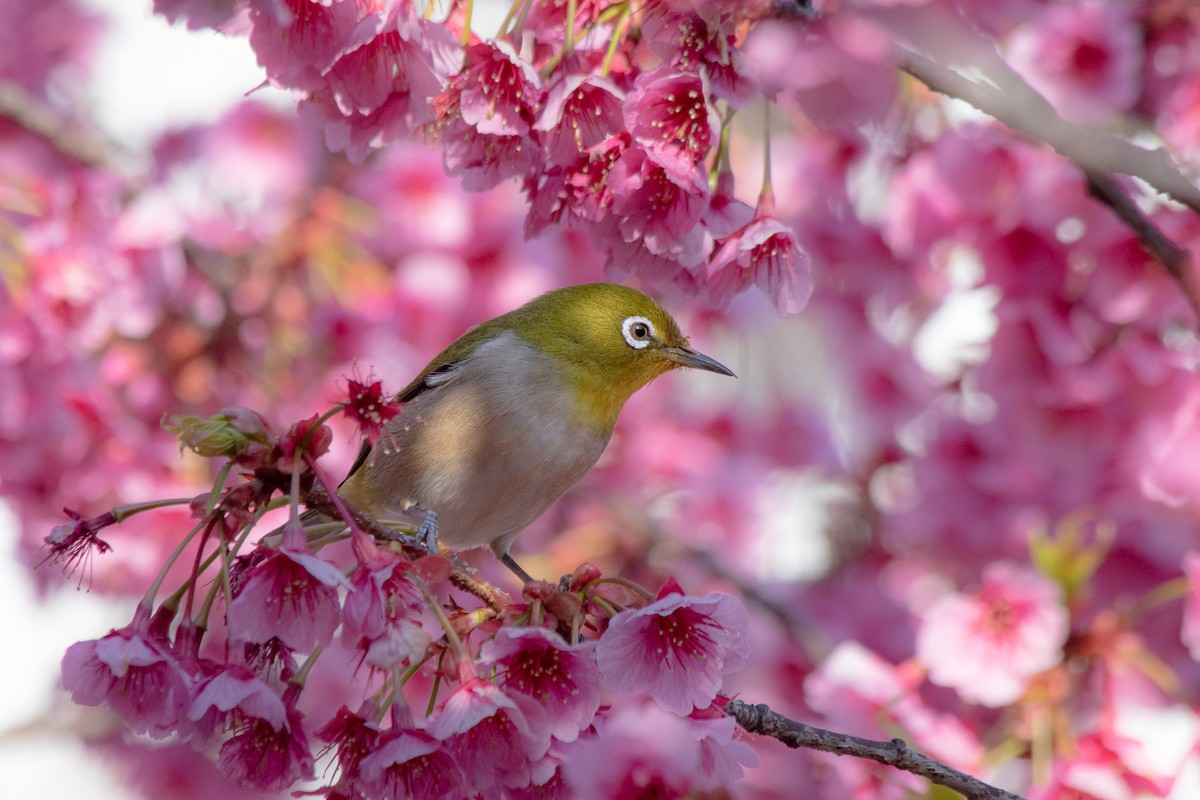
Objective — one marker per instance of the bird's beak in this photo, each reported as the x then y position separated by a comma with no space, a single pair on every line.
687,357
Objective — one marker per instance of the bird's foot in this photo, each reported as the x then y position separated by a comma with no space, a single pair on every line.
427,534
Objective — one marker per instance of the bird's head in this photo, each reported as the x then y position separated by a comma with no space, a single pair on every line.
611,340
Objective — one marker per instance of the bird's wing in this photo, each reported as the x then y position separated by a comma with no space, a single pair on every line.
437,373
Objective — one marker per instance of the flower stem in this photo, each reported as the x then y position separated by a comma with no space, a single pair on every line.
302,674
122,513
618,35
466,31
767,190
569,34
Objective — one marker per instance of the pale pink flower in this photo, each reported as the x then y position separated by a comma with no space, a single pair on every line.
133,672
1084,57
676,649
987,645
235,697
860,693
562,679
292,595
501,735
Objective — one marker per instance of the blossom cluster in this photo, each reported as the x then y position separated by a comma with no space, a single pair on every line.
514,690
986,544
610,114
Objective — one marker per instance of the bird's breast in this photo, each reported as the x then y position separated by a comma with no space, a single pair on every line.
489,447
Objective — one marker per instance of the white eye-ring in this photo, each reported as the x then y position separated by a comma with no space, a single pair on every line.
638,331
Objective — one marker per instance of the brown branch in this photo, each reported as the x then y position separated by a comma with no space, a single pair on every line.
762,720
463,576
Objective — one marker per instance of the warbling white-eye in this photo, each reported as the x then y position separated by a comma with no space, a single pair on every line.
507,418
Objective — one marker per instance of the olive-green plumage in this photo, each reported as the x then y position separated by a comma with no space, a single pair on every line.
508,417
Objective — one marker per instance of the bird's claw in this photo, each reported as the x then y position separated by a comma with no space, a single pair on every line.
427,534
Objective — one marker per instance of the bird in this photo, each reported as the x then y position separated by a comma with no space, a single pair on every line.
512,414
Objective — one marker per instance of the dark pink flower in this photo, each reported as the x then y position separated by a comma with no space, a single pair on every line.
659,207
132,672
690,43
676,649
482,160
267,757
578,193
296,40
73,542
1085,57
987,645
766,253
387,54
668,113
580,112
292,595
498,90
352,737
406,763
367,406
562,679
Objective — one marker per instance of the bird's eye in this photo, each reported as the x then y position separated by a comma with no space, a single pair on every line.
638,331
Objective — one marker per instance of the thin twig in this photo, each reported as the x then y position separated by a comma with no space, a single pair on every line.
896,753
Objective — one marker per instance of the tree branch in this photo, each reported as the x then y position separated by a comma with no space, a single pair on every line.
762,720
1097,154
463,576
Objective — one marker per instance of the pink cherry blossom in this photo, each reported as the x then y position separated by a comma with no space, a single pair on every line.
988,644
267,757
296,40
408,763
562,679
689,42
668,113
502,735
498,90
292,595
580,112
236,695
657,206
765,252
132,672
676,649
640,750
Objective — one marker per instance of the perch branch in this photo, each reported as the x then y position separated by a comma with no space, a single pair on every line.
762,720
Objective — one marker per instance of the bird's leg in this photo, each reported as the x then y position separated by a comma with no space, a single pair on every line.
427,534
508,561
